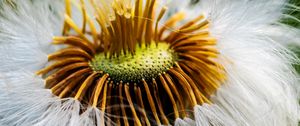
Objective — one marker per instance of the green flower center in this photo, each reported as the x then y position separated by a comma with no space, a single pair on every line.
147,63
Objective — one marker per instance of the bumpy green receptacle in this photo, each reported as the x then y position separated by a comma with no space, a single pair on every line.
146,64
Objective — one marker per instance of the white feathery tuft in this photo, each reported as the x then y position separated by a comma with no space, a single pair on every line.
26,31
25,101
261,86
180,122
290,33
184,122
65,112
189,121
207,115
95,117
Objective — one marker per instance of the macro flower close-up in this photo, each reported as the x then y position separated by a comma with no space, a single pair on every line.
148,63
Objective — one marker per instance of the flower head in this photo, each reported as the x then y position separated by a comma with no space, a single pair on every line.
134,66
144,62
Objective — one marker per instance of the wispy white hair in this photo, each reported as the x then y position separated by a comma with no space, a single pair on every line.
261,86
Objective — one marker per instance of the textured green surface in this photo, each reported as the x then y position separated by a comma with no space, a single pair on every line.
146,64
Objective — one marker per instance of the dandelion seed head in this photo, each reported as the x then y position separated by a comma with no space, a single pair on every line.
135,62
138,62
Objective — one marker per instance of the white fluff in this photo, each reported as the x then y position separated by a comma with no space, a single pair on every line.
26,33
184,122
90,115
207,115
261,85
25,102
260,89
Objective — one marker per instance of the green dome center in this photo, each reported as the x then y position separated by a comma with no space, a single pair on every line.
146,63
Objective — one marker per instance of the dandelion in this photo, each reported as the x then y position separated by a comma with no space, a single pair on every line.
146,62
